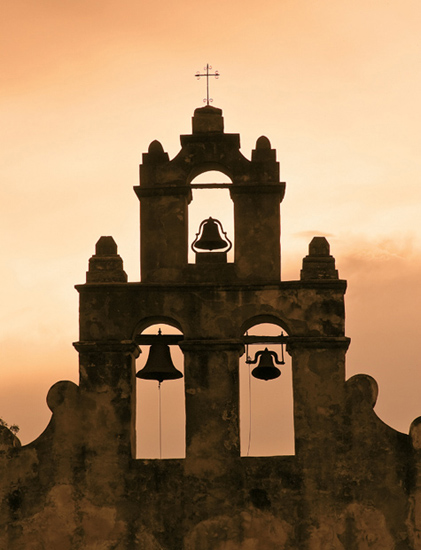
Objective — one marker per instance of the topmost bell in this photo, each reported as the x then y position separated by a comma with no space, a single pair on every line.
211,238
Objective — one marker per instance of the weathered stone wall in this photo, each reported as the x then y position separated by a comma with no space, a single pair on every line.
353,484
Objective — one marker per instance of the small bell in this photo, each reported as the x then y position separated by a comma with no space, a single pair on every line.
159,365
266,370
211,238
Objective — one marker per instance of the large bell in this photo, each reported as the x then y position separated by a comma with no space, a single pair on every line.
159,365
266,370
211,238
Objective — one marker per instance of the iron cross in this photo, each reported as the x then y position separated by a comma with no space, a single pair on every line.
207,74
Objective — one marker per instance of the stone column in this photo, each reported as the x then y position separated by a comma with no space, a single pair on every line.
318,367
107,380
257,227
212,428
212,404
164,197
164,232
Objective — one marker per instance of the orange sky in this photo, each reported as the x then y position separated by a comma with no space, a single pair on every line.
86,85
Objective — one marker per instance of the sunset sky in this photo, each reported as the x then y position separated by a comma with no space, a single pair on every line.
86,85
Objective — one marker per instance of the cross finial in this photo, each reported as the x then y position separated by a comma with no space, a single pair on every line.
207,74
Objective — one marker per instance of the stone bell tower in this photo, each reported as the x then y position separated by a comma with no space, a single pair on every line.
353,483
166,191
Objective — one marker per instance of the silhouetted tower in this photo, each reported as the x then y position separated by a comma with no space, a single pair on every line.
213,302
353,483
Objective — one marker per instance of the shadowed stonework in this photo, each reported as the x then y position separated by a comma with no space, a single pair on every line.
353,484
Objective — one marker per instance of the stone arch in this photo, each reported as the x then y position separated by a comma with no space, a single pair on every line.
160,410
221,151
209,167
147,322
265,318
210,201
266,407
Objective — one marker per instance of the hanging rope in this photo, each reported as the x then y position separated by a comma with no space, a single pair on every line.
249,443
247,359
159,419
282,350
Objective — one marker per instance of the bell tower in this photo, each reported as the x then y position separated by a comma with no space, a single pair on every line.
165,191
353,482
213,303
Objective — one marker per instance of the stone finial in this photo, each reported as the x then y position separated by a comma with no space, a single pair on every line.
106,266
155,148
263,151
106,246
319,246
208,120
155,155
319,264
263,143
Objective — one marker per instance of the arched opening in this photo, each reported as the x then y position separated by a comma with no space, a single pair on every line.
208,201
266,407
160,409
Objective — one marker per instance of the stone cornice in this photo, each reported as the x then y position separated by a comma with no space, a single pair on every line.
127,347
